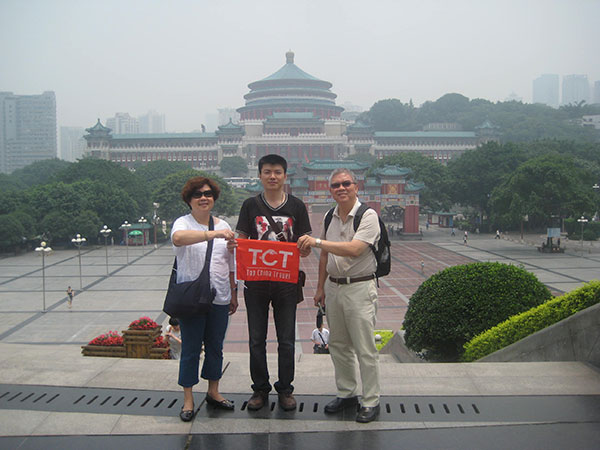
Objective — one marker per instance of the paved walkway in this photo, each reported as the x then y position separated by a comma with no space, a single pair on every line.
43,348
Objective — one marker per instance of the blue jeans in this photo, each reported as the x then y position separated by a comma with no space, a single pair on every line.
283,297
209,329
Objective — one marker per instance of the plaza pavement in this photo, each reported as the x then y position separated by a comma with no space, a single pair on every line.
43,348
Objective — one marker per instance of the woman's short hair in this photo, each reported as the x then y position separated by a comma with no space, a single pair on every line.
193,184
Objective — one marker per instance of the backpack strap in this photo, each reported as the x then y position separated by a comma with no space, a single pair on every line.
328,218
359,213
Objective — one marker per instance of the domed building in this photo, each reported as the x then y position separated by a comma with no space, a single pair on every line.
290,90
294,114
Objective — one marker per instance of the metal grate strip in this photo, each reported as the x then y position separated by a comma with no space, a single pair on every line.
310,407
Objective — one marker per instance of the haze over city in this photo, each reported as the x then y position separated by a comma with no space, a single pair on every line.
185,59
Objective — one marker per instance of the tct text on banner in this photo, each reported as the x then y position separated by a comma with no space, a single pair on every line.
267,261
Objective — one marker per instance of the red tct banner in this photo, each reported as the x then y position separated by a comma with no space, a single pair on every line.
267,261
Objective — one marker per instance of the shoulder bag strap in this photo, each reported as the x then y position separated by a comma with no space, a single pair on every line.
209,249
274,225
322,340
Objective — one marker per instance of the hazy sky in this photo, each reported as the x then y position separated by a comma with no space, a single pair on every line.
186,58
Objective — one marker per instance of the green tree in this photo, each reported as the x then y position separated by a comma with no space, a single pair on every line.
40,172
10,184
112,174
435,195
234,166
154,172
546,186
477,173
11,232
390,115
27,222
111,204
168,194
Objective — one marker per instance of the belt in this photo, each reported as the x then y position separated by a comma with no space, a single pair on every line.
348,280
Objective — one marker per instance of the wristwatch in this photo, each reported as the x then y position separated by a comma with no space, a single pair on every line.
318,243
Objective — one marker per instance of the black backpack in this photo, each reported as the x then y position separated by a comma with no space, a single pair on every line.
382,252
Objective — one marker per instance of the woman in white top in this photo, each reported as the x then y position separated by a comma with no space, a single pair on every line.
189,236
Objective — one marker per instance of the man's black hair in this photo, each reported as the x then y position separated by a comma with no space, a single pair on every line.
272,159
173,322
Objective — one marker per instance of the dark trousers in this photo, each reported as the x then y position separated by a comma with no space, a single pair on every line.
283,297
210,330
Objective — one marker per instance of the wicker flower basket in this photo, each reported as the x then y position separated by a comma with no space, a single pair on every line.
103,350
139,342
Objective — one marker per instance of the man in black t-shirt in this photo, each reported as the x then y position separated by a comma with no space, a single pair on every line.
291,214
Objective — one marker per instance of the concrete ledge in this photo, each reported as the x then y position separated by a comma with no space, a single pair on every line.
576,338
399,350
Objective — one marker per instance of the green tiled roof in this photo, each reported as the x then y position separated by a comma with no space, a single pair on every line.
299,182
425,134
98,129
392,171
372,182
230,126
158,136
290,71
334,164
413,187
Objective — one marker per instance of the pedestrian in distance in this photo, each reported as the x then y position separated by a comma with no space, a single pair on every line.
173,336
347,267
70,294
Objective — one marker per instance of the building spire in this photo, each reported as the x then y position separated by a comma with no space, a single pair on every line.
289,57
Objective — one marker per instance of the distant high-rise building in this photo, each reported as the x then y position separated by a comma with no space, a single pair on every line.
227,114
596,98
151,123
545,90
123,123
72,143
575,88
211,121
27,129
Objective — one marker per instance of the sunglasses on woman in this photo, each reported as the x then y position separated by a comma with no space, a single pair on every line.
200,194
346,184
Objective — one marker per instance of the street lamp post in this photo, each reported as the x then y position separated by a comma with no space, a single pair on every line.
126,226
596,189
105,232
143,221
582,220
78,240
155,221
43,249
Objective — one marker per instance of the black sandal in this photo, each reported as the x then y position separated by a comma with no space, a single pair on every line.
187,415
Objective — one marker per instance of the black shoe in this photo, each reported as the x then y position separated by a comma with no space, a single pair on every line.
287,401
223,404
367,414
187,415
258,400
340,403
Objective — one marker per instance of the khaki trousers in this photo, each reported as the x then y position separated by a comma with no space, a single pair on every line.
351,315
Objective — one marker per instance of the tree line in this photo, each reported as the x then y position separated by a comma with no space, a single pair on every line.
540,182
516,121
56,199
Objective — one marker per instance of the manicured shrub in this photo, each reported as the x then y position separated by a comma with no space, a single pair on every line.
522,325
460,302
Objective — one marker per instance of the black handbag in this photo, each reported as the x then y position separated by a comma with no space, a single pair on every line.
276,227
191,298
